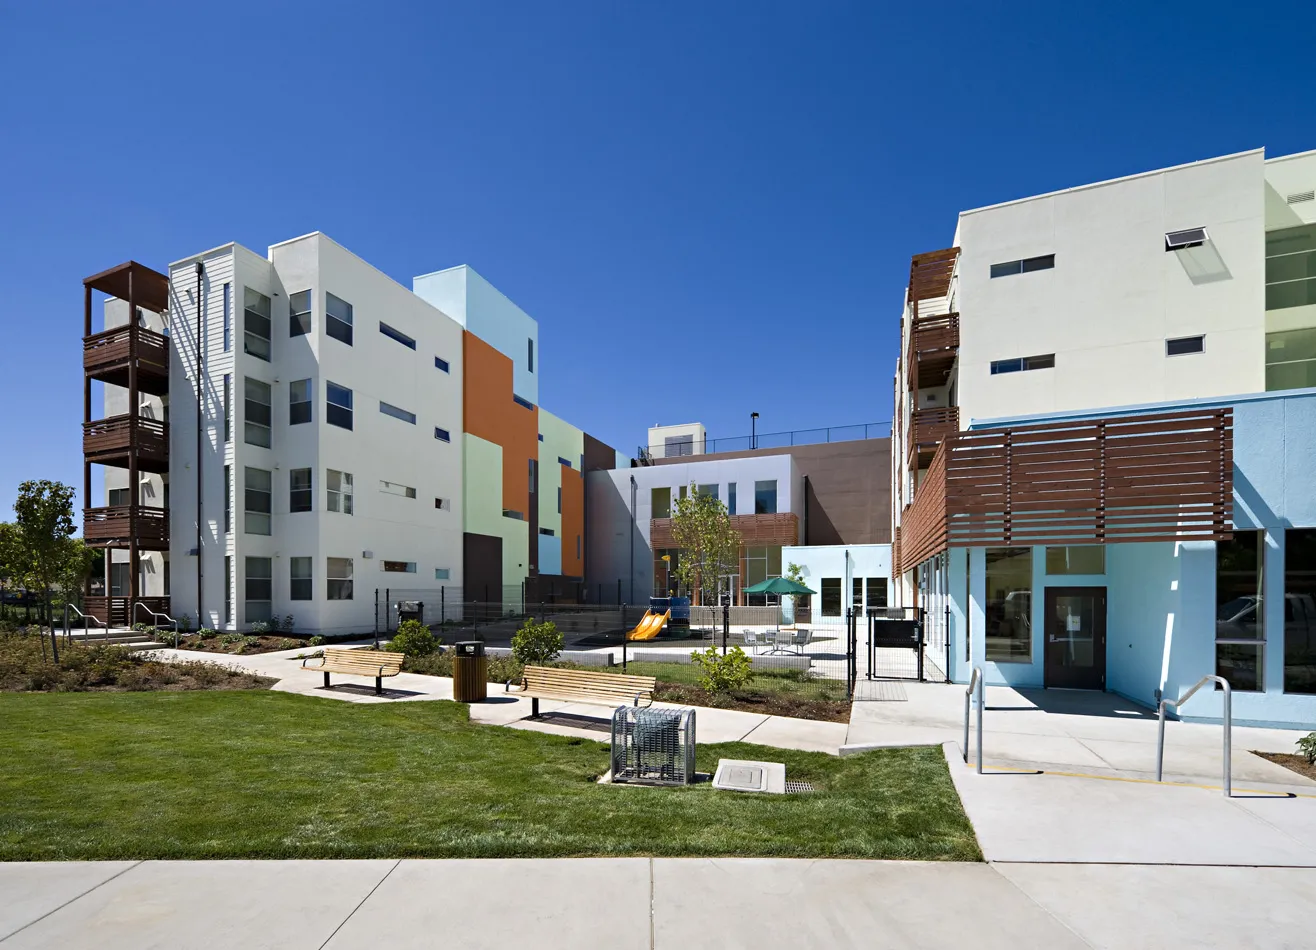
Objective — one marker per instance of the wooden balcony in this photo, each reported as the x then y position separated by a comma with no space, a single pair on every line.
119,611
121,525
112,441
755,530
928,428
107,356
934,343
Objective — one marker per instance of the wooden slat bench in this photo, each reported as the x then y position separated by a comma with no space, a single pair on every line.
583,686
357,663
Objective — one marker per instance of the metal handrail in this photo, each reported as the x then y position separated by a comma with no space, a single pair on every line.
155,614
85,618
976,679
1229,725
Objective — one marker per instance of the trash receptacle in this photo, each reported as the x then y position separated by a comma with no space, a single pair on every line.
411,610
470,672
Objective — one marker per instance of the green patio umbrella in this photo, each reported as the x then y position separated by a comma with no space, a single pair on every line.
778,585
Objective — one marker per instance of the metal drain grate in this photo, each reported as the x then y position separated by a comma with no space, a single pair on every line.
795,788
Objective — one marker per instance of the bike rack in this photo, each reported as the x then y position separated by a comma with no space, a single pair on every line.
1229,725
975,680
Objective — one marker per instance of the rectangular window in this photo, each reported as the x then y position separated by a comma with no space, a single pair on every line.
1291,267
299,577
831,597
761,563
765,497
256,324
441,364
442,505
523,403
534,472
513,514
876,593
1300,610
119,497
530,354
256,428
577,547
338,578
661,499
399,567
443,435
442,573
228,408
710,490
397,335
389,409
299,402
299,320
228,590
338,405
393,488
678,445
731,498
228,317
1182,346
857,594
299,489
1025,266
228,498
1076,559
1010,605
1240,628
547,532
338,318
1291,359
1182,240
338,491
559,501
562,461
260,589
257,495
1019,364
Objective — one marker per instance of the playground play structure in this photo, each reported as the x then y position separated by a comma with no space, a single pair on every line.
650,625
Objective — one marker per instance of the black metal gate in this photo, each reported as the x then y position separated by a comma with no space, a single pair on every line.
895,643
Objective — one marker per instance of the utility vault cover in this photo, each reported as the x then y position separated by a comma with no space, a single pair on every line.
739,775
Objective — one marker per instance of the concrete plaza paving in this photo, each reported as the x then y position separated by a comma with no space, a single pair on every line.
647,903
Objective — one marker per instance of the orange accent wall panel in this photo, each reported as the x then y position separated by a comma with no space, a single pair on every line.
573,522
489,413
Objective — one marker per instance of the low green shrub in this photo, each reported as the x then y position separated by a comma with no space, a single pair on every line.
537,643
1307,746
205,633
501,668
414,639
723,672
228,639
316,641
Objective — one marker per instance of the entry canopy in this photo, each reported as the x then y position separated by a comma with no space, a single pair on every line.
778,585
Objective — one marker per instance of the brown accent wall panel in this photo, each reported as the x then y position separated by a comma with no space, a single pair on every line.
754,530
482,567
573,522
598,455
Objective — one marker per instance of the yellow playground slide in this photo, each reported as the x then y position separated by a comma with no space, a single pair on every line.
650,625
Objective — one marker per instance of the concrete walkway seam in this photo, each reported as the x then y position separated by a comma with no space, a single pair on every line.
342,923
1038,904
71,900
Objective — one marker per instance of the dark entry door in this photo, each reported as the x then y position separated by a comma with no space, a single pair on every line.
1076,637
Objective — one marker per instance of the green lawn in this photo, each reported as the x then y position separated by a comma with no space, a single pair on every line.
254,774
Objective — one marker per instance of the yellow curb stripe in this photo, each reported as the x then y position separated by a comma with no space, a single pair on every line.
1149,781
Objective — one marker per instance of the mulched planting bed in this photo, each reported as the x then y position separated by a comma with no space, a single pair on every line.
750,700
1298,763
236,644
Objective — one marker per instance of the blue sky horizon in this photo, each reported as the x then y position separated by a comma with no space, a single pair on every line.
709,208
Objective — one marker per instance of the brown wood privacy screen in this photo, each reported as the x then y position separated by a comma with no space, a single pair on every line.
1163,477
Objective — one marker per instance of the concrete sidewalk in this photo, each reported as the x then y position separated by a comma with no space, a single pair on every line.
586,720
646,903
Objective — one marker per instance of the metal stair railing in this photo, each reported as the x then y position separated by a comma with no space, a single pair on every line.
68,630
154,614
1229,725
976,680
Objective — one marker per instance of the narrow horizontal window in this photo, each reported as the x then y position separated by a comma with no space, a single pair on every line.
525,403
391,410
1019,364
441,364
562,461
1179,240
515,515
1025,266
1184,345
397,335
400,567
393,488
443,435
547,532
442,573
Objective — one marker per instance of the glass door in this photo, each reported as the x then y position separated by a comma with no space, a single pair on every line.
1075,637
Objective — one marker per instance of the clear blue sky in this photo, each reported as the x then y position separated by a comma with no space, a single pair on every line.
709,207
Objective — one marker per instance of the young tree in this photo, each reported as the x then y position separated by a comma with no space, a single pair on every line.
49,552
12,569
709,546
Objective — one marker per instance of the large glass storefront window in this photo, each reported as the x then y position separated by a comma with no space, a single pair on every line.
1300,610
760,564
1240,630
1009,605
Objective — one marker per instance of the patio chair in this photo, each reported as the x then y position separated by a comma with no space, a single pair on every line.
801,639
754,639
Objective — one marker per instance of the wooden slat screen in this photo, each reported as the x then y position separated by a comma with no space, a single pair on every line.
930,273
1158,477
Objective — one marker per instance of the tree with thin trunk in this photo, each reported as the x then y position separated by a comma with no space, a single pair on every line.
50,554
13,571
709,547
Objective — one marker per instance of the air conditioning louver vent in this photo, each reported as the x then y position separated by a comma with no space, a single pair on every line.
1301,196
